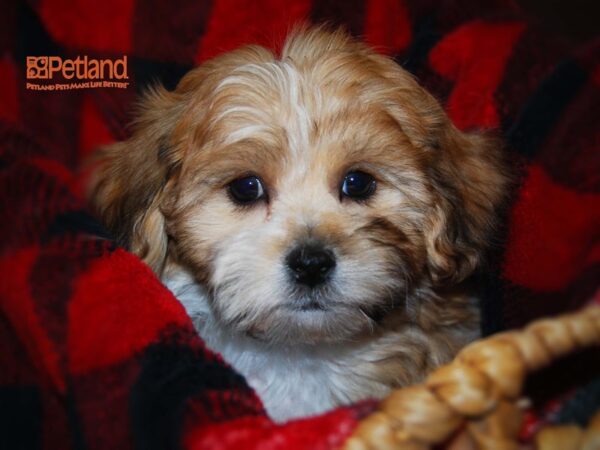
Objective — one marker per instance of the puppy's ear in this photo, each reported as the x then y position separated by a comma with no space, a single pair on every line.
470,183
132,182
468,172
128,179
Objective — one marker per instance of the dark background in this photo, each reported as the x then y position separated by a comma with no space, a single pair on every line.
576,19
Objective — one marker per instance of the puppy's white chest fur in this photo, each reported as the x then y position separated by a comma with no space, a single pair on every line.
291,381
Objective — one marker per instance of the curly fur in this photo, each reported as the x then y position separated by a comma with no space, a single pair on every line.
397,303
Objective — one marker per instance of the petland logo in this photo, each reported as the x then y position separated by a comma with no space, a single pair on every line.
80,73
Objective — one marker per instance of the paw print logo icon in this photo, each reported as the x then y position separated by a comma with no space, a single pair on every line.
37,67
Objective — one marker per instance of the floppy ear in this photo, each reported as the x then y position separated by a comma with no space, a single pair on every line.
132,180
468,175
470,182
128,178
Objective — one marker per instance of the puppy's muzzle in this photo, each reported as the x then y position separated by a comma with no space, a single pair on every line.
310,264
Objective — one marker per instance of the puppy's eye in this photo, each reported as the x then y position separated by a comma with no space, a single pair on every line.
246,190
358,185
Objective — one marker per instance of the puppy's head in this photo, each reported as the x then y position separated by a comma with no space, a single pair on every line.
308,192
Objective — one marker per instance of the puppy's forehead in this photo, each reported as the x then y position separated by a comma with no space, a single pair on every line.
303,111
271,97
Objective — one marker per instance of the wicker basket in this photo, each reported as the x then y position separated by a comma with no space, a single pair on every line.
475,402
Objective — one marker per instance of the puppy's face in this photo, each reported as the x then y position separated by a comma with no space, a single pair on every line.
302,216
310,193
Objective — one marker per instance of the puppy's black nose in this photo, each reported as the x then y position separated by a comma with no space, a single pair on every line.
310,264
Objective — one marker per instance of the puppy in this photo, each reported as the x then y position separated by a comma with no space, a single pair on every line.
316,213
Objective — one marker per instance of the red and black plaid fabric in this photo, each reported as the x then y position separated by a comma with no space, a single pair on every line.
96,354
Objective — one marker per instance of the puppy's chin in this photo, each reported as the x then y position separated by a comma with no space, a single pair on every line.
308,320
311,326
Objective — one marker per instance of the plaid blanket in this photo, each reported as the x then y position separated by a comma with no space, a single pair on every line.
96,354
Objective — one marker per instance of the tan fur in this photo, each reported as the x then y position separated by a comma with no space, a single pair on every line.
301,121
